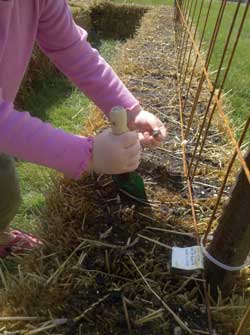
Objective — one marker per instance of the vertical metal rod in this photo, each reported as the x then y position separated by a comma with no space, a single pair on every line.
187,40
181,35
185,14
193,209
185,6
176,11
197,57
189,185
184,34
207,62
182,39
191,47
211,48
178,19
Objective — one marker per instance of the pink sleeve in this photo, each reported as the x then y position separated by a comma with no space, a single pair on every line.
38,142
66,45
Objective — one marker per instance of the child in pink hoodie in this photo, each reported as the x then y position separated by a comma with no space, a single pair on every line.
50,23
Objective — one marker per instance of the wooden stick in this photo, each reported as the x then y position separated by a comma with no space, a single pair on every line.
156,242
171,231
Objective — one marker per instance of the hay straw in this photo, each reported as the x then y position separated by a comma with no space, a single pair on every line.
150,317
126,314
171,231
18,318
155,242
62,266
177,319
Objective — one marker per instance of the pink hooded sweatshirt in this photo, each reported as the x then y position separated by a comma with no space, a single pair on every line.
50,23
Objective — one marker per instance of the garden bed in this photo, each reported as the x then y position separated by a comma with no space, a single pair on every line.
105,267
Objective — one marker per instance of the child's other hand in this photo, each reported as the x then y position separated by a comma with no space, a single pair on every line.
151,130
113,154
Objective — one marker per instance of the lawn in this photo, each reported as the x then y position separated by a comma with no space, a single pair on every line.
239,76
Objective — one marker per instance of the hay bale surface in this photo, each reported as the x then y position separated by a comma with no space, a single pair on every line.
102,18
116,21
105,265
40,66
81,11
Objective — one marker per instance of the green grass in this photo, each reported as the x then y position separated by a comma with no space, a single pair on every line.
57,101
146,2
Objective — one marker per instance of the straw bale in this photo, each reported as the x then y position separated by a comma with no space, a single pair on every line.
117,21
40,66
81,11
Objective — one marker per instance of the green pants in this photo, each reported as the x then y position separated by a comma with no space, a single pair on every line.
9,191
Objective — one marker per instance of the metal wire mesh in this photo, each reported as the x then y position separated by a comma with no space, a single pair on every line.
196,50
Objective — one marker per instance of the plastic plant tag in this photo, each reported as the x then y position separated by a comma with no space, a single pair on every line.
187,258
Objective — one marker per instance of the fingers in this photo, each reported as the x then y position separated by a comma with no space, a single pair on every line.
162,133
159,132
147,140
154,138
151,127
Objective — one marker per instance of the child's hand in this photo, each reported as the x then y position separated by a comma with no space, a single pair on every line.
113,154
151,130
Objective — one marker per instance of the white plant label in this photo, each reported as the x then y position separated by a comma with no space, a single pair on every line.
187,258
